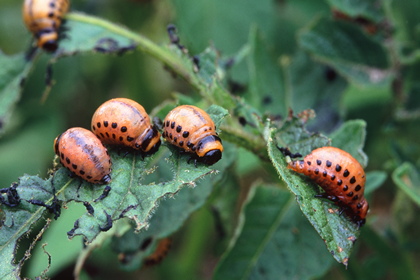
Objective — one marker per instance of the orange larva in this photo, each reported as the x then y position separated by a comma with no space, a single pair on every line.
43,18
122,121
160,252
192,130
341,177
83,153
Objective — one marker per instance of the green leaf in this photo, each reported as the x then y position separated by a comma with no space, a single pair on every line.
312,85
273,239
406,22
170,215
266,81
368,9
217,114
293,135
391,256
350,137
57,243
137,186
347,49
337,231
13,72
220,22
409,86
18,221
407,178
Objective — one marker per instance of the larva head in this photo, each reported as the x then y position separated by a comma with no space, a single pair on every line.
361,212
210,149
56,145
48,40
149,142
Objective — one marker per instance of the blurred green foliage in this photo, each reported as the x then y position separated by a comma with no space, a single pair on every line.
361,63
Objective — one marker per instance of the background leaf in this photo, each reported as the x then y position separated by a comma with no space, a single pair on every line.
347,49
13,73
407,179
316,86
368,9
280,236
18,222
266,81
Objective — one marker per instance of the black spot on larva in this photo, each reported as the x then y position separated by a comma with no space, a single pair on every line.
178,128
316,170
98,125
350,194
129,139
346,173
107,134
189,144
345,188
332,177
324,173
82,172
121,138
308,162
352,180
193,149
62,156
102,135
339,182
175,139
52,4
93,127
67,160
338,168
114,125
170,135
359,205
106,123
318,161
113,135
185,134
172,125
167,123
356,197
181,143
123,129
51,14
89,177
357,188
328,163
74,166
